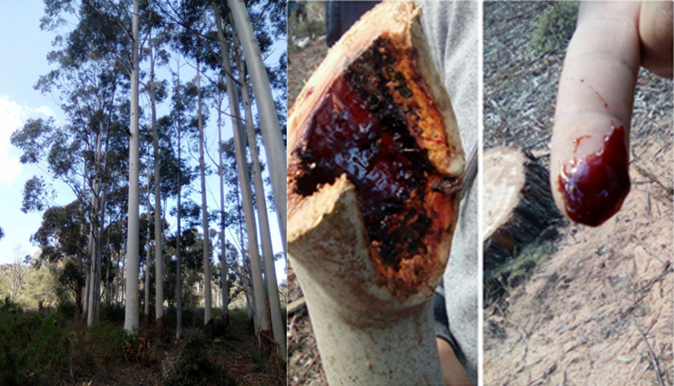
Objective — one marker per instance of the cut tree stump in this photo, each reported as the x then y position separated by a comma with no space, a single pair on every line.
517,203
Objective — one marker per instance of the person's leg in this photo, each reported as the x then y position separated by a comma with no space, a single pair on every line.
452,371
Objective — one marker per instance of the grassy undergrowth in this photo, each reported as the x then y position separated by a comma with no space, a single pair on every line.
55,347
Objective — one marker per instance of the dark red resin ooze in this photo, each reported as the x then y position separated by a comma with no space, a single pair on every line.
594,188
380,157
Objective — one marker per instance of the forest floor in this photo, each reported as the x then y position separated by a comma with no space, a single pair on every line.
597,307
301,64
55,348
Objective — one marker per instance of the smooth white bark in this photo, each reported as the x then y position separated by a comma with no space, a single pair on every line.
278,324
208,310
223,258
158,260
366,333
271,130
244,182
148,252
131,310
179,280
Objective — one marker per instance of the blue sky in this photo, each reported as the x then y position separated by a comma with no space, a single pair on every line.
24,48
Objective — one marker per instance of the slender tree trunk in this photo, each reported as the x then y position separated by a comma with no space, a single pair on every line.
108,280
158,225
94,228
78,299
131,309
245,268
101,227
278,324
179,280
118,276
148,255
122,285
244,181
85,298
223,258
271,130
208,311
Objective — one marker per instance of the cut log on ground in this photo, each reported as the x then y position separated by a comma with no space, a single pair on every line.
517,204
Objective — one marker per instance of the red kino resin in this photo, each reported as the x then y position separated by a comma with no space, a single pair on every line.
353,141
382,160
594,188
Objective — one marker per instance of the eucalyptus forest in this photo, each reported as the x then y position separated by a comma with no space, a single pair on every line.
160,258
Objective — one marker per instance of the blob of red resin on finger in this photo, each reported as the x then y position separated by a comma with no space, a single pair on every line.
595,187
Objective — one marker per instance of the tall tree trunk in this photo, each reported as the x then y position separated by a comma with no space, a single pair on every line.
99,252
131,309
179,280
245,269
148,255
271,130
78,299
118,276
85,298
108,279
223,258
158,225
278,324
122,284
208,311
94,229
244,182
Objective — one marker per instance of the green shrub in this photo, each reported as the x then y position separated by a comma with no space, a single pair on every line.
66,310
239,320
32,347
113,313
554,27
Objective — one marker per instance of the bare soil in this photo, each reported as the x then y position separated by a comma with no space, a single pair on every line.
302,63
597,309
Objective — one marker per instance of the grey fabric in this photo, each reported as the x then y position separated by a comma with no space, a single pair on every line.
442,324
451,28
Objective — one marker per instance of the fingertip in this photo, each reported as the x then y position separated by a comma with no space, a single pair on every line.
590,173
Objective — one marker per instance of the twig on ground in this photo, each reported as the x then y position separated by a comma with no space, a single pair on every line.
306,371
654,358
296,306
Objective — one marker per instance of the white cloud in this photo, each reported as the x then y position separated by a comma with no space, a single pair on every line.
12,117
42,110
10,120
